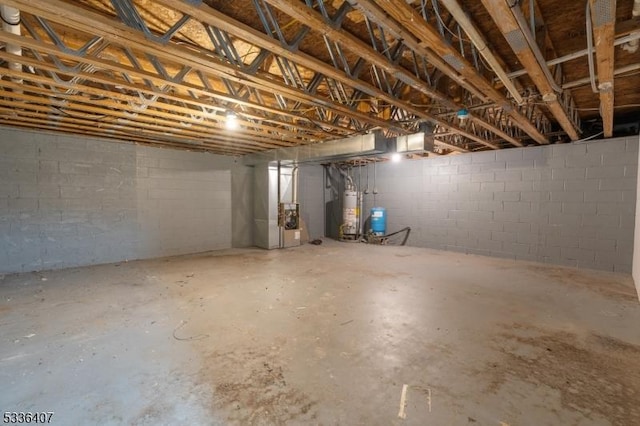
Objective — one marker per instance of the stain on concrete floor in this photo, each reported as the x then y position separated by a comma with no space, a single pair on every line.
597,376
257,393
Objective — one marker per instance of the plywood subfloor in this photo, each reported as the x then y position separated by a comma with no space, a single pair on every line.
325,335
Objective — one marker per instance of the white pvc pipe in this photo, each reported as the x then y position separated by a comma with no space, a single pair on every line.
578,54
632,46
586,80
11,24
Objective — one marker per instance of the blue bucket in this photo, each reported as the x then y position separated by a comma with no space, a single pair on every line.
379,220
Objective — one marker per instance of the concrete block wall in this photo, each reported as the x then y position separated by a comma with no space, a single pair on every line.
570,204
184,202
69,201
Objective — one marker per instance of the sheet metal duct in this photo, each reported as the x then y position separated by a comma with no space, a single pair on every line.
417,142
368,144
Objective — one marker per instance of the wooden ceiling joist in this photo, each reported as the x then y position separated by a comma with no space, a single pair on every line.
112,30
172,96
45,121
409,18
458,13
213,17
298,73
504,18
312,19
44,113
379,16
44,125
603,13
146,120
171,115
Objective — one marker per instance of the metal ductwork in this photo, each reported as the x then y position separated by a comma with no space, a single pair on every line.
341,149
369,144
415,143
11,24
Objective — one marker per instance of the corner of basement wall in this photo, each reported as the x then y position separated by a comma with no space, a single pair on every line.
636,237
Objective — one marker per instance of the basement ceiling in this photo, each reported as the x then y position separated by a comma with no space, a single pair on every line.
168,72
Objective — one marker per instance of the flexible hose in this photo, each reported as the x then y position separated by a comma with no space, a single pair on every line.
406,237
381,239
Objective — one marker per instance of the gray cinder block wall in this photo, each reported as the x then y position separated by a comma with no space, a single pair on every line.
570,204
70,201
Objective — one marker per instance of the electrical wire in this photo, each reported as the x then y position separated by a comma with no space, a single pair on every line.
439,18
385,239
406,236
589,138
484,61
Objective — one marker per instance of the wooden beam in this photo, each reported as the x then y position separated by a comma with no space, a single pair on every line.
24,109
311,18
143,120
479,41
10,116
506,21
213,17
430,38
174,96
6,120
171,117
70,14
603,16
378,15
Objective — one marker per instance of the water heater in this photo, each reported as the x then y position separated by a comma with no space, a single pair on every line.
350,213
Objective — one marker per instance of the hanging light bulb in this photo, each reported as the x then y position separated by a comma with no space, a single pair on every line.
232,120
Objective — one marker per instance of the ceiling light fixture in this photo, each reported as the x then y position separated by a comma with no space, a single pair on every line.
232,121
396,157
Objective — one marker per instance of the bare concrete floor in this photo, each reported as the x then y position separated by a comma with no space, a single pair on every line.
322,335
